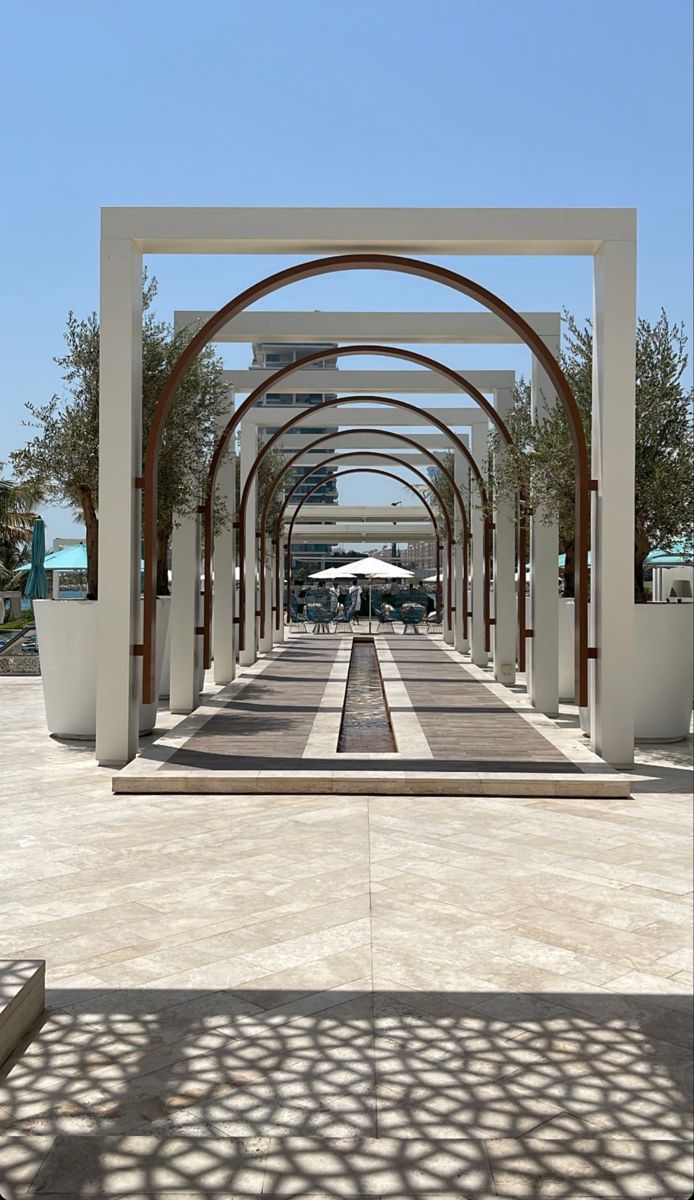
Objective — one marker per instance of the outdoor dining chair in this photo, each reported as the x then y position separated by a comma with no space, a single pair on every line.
412,616
322,617
348,611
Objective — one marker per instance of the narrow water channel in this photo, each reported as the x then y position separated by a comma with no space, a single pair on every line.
366,724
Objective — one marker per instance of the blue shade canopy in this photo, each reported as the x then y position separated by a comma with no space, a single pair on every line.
70,558
681,553
36,585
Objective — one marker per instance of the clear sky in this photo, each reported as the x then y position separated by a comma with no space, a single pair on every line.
312,102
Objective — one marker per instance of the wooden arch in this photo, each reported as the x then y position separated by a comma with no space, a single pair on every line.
407,266
385,454
401,438
295,420
388,475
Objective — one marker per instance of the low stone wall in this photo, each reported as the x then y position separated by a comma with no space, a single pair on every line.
20,664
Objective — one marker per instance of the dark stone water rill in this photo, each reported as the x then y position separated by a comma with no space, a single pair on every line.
366,724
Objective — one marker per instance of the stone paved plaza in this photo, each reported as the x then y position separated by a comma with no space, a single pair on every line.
344,995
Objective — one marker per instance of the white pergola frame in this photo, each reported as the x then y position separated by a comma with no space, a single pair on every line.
484,328
607,235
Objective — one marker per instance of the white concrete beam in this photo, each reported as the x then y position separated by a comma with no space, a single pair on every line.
368,441
374,416
363,460
487,231
353,383
366,532
310,513
363,328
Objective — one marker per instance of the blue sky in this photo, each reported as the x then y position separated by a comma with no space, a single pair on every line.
371,102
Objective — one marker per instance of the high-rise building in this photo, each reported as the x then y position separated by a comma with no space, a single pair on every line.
272,356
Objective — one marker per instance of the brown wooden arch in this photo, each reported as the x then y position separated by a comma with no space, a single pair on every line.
437,367
286,467
295,420
389,475
407,266
376,471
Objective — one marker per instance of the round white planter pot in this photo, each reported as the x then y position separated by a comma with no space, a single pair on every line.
66,632
663,668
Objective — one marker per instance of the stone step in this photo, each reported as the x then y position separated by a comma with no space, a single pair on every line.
142,777
22,1000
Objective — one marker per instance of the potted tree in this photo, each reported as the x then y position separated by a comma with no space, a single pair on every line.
62,459
542,462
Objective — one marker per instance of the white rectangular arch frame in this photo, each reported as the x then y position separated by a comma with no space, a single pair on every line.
608,235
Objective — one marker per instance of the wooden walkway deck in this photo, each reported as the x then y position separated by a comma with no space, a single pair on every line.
275,728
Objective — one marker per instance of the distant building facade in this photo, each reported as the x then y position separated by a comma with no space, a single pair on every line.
270,356
418,556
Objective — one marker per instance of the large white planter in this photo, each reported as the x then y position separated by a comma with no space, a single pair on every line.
66,632
663,667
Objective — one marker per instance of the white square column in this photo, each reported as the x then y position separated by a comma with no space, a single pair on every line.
480,657
119,671
460,474
224,606
447,627
248,452
186,643
504,628
265,637
278,630
612,587
543,646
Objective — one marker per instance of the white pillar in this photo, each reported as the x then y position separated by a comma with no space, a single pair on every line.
248,451
185,595
612,587
447,627
278,632
480,657
56,585
265,637
119,671
223,610
543,646
462,644
504,628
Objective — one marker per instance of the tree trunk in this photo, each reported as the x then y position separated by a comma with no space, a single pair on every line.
163,563
91,522
570,569
642,548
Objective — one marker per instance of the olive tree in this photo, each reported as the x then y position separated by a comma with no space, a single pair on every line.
62,458
541,461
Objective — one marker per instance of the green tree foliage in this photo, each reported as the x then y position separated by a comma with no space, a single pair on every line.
63,457
16,523
542,462
442,485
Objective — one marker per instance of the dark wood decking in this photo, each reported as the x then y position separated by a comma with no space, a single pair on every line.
467,726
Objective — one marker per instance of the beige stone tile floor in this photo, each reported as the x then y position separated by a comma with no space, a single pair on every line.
344,996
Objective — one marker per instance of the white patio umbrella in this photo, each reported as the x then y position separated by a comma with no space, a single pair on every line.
432,579
331,573
372,568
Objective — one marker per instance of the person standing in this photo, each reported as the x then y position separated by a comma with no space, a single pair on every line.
355,594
